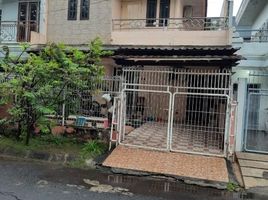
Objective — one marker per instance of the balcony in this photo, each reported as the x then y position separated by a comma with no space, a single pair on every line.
171,31
253,44
14,32
257,35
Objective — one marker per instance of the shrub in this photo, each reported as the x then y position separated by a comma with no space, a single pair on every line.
93,148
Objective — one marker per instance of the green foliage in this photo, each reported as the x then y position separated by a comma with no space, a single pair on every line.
231,187
93,148
55,140
45,143
39,84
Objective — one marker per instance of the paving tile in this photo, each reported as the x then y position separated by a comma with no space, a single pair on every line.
178,164
187,139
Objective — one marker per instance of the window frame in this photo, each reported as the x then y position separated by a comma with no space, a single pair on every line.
82,9
151,12
69,16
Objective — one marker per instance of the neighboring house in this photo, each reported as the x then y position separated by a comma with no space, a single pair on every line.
20,21
250,84
175,62
251,76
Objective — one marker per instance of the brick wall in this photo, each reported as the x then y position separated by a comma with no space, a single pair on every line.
4,111
79,31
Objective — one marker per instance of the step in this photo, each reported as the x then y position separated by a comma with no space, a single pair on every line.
251,182
253,164
252,156
253,172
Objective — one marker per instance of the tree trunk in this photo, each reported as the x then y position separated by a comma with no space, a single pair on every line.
19,131
28,135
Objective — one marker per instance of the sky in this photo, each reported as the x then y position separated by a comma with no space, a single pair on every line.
214,7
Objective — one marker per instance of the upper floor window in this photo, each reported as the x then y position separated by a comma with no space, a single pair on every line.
164,12
84,10
72,10
156,8
151,12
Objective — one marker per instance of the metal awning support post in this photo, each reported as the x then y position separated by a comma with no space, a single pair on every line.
63,109
230,12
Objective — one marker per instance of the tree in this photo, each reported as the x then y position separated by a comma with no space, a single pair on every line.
36,85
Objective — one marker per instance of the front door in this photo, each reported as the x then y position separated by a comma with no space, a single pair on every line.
28,20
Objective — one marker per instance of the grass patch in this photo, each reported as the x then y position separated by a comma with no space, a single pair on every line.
58,144
47,143
93,148
231,187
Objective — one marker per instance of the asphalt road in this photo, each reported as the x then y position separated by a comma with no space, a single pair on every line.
33,181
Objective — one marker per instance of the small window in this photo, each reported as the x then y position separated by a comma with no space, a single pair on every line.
72,10
151,12
84,10
188,11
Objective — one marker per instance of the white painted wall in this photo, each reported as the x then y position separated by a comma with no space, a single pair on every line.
256,58
255,54
43,17
262,18
9,10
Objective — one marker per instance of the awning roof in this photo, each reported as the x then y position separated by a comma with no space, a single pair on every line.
179,56
223,56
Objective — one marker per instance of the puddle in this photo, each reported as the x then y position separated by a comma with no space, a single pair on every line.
98,181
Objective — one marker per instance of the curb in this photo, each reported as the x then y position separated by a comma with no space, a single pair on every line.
62,158
187,180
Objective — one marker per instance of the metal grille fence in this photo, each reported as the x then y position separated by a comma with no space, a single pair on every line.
89,102
176,109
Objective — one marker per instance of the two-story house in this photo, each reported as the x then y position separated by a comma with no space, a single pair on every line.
164,49
20,21
250,83
174,61
251,75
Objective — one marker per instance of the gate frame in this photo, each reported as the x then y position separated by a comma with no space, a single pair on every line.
227,124
263,92
123,121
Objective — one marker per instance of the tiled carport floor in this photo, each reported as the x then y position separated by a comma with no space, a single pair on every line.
168,163
187,139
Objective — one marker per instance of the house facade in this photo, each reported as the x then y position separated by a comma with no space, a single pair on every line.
175,63
250,78
20,18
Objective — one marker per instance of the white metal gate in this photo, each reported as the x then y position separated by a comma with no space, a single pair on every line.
256,126
182,110
146,118
199,123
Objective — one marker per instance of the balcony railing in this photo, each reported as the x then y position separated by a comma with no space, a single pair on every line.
12,31
183,24
8,31
257,35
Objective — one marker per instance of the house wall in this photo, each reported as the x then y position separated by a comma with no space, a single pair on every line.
170,37
4,111
136,9
9,10
261,19
79,31
9,19
41,36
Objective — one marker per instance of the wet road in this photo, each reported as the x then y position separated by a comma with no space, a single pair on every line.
33,181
